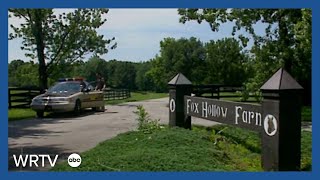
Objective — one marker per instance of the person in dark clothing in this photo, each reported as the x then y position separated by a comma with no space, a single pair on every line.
100,82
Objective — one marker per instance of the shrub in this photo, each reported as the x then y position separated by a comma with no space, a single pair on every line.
145,123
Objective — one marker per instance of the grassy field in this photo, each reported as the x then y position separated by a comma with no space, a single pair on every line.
139,96
177,149
18,114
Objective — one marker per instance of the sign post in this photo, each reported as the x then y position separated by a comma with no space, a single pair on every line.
281,134
277,119
179,87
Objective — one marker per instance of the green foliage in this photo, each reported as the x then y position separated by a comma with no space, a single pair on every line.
23,74
215,62
145,123
143,80
225,63
285,43
124,75
59,39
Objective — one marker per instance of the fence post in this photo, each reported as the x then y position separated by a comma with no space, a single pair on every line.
179,87
29,96
9,98
281,133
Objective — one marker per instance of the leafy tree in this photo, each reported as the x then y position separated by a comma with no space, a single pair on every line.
54,39
143,81
287,32
124,75
183,55
225,62
23,74
89,69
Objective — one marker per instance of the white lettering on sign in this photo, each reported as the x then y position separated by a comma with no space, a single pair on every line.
247,116
192,106
270,125
172,105
242,114
213,110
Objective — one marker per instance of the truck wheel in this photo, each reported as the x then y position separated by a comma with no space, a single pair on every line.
40,114
77,108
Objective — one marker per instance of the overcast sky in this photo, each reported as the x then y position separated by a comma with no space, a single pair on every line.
138,32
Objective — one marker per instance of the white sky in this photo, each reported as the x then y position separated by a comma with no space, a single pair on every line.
138,32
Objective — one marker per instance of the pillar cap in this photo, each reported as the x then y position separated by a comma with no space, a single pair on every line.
179,79
281,80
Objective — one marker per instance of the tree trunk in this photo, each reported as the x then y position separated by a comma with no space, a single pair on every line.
38,33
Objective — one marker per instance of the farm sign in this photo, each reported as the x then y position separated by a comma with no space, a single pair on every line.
243,115
277,118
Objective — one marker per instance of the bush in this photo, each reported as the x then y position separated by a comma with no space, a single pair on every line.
145,123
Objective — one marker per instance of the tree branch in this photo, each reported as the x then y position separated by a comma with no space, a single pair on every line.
60,47
21,14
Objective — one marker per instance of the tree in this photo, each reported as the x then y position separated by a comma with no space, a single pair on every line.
94,65
22,74
280,26
186,56
286,43
225,62
143,81
124,75
53,39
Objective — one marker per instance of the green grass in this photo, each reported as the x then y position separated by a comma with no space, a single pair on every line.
19,114
306,114
138,96
177,149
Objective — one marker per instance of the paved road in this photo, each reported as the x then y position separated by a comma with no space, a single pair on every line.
66,134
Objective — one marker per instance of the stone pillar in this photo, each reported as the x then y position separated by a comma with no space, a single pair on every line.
179,86
281,133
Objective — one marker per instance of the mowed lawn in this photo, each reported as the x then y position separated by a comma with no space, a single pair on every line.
218,148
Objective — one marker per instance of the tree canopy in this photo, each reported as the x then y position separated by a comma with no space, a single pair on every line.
286,42
59,38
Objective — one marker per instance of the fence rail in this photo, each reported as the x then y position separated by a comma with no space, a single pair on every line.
22,97
114,94
218,91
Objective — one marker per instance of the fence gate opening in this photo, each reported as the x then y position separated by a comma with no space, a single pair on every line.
277,118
